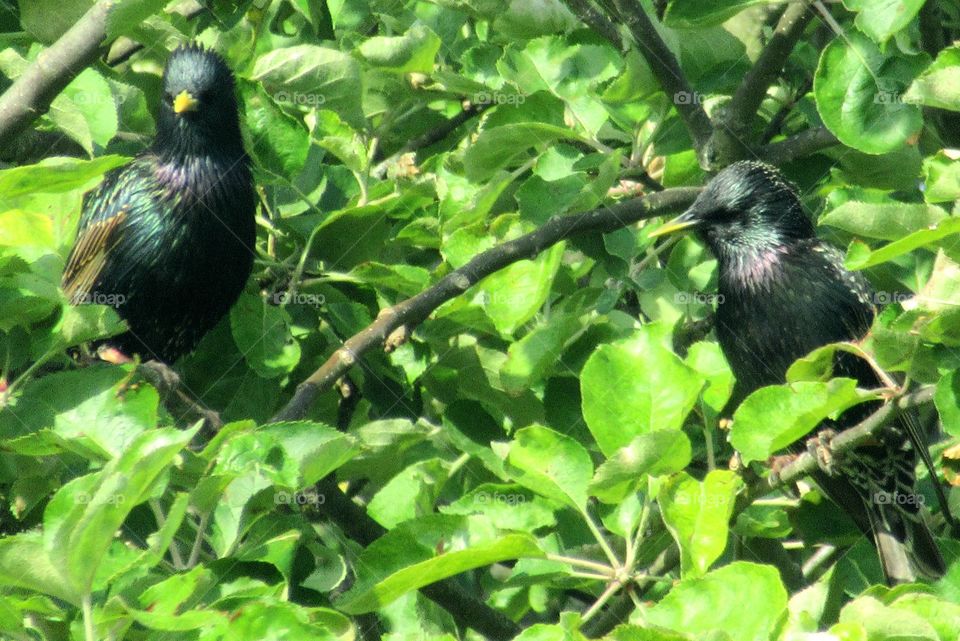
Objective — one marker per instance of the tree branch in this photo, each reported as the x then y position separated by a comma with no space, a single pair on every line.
435,135
846,440
764,72
594,19
731,139
31,94
412,311
805,143
667,70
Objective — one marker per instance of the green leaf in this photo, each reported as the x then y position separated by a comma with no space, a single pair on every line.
415,50
626,471
83,323
89,412
312,76
280,143
859,93
55,175
568,70
513,295
25,234
773,417
939,84
885,623
551,464
708,359
262,334
886,221
743,600
316,448
623,390
26,563
530,359
86,110
499,147
425,550
698,515
880,19
941,614
860,256
80,520
506,506
941,178
126,16
411,493
947,400
686,14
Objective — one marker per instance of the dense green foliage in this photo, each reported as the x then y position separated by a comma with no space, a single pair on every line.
550,438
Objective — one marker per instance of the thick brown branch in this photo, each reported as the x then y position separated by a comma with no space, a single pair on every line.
667,70
31,94
746,101
805,143
413,311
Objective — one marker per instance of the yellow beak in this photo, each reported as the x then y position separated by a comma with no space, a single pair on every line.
681,222
184,102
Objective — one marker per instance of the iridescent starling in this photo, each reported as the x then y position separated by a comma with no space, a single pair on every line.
784,293
169,237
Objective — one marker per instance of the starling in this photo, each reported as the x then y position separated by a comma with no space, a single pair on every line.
168,239
783,293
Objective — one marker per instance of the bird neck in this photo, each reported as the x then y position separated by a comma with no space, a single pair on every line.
752,267
178,141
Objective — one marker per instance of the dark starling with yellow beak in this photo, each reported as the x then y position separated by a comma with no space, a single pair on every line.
784,293
170,237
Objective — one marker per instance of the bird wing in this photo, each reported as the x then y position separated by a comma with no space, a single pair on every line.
89,255
105,210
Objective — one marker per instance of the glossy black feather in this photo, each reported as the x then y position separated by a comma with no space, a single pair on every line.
170,236
783,293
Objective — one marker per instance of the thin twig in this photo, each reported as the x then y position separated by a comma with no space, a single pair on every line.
667,70
805,143
746,101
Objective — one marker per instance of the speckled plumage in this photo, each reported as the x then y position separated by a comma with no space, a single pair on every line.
783,293
170,236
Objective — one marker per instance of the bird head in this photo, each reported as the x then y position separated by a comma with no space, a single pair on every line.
198,113
747,207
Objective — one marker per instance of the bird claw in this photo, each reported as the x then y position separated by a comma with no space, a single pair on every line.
776,465
820,448
160,375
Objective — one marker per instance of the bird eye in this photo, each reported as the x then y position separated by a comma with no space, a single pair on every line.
168,98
